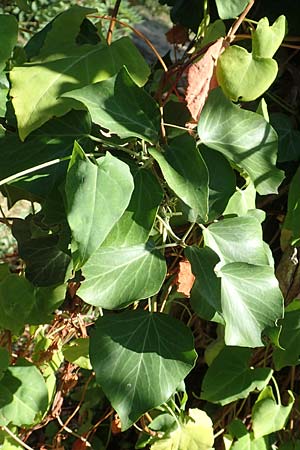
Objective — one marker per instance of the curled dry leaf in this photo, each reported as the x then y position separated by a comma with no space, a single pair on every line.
178,34
116,425
201,78
185,278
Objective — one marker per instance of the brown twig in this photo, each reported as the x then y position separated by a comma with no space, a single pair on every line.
137,32
113,22
231,33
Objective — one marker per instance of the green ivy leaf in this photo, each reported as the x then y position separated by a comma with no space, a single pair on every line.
245,310
243,76
88,64
288,138
4,360
243,137
222,181
54,140
237,239
152,354
23,395
116,277
122,107
185,172
231,8
8,37
229,377
267,39
195,433
269,416
290,232
77,352
13,312
206,291
97,196
289,354
245,440
66,24
242,201
136,223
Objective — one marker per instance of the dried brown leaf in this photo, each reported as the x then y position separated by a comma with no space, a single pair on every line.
185,278
178,34
201,78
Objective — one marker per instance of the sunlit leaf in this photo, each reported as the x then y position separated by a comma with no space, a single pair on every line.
143,359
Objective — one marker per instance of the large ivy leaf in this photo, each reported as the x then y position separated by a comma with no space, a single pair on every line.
251,302
237,239
117,276
60,39
288,138
136,223
23,395
122,107
230,8
289,354
267,415
230,378
185,172
143,359
221,181
8,37
243,137
97,196
195,433
52,141
206,291
88,64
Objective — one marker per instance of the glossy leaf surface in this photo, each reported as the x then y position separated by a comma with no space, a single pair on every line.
230,378
142,360
122,107
185,172
243,137
97,196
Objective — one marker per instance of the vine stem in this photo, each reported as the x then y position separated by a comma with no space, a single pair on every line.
15,438
231,33
113,22
277,390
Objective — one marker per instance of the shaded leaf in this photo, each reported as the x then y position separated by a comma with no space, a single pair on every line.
230,378
97,196
152,354
290,232
8,37
122,107
288,138
23,395
53,140
206,292
185,172
246,312
77,352
243,137
269,416
242,201
289,354
222,181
